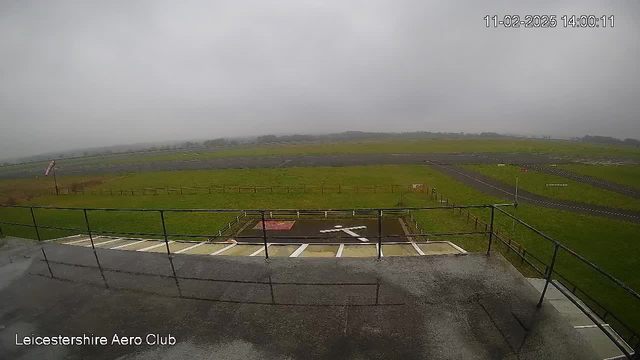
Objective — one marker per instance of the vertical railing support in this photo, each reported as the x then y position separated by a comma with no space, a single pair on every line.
86,220
491,229
549,274
264,235
164,232
379,234
35,225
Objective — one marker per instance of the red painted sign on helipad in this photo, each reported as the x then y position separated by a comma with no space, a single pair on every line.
275,225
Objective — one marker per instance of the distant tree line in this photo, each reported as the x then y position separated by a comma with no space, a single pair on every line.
610,140
297,138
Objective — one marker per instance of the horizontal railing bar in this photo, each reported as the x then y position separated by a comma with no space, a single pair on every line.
571,252
263,210
594,320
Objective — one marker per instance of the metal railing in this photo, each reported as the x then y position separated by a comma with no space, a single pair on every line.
262,213
549,269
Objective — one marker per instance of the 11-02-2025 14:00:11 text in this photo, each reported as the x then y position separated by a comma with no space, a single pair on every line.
550,21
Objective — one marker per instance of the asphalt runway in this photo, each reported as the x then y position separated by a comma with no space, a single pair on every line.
285,162
600,183
496,188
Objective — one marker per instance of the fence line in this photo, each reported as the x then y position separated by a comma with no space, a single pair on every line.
221,189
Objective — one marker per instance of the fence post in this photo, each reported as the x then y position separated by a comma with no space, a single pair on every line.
35,226
164,232
379,234
549,274
1,233
264,236
86,220
491,229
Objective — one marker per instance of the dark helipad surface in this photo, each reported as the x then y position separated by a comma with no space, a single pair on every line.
341,231
443,307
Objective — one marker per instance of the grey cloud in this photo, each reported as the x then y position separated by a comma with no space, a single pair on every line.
77,73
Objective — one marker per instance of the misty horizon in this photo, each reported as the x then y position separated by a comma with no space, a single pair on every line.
77,75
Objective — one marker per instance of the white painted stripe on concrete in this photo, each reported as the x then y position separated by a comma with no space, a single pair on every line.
76,241
340,250
125,245
588,326
104,242
463,251
189,248
299,250
154,246
259,251
415,246
223,249
65,238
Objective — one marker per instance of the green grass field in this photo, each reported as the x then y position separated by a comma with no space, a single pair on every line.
535,182
552,147
621,174
603,241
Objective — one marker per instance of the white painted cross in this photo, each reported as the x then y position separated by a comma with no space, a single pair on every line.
348,231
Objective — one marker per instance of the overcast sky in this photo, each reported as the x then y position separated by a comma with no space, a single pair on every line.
78,74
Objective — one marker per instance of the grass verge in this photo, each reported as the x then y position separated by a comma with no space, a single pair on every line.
536,182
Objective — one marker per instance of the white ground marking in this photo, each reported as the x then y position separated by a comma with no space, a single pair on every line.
463,251
65,238
223,249
155,246
299,250
415,246
340,250
125,245
259,251
588,326
189,248
76,241
348,231
104,242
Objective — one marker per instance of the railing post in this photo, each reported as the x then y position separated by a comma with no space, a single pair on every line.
549,274
35,225
86,220
264,235
491,229
379,234
47,261
1,233
164,232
